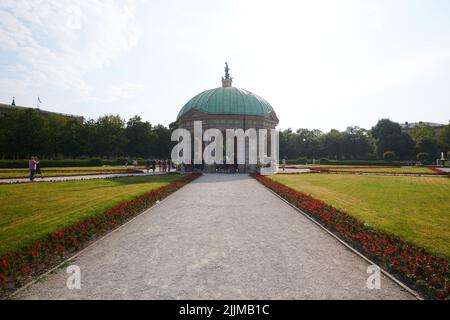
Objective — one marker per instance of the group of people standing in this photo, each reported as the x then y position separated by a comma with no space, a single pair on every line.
34,165
163,165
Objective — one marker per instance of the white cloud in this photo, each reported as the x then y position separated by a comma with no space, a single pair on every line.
119,92
56,43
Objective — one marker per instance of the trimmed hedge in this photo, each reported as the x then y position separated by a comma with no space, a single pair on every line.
93,162
300,160
52,163
354,162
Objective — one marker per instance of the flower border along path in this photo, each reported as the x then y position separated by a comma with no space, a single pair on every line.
411,264
20,267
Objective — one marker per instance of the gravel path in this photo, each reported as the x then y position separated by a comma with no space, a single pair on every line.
82,177
220,237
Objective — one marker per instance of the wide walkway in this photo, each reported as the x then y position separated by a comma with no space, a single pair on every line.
220,237
80,177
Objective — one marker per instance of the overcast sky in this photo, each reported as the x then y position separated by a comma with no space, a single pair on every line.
320,64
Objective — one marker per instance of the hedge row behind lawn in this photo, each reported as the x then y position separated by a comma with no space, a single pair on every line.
92,162
351,162
414,265
19,267
432,171
52,163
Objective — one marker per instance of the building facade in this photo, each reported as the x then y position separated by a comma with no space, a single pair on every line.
7,108
437,127
228,107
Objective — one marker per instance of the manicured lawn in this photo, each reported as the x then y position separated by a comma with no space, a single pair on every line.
414,208
29,211
417,170
64,171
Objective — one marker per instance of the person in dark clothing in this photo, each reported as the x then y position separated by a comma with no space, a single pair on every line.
153,165
38,168
147,166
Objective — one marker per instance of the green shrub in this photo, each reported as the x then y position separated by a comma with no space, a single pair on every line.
116,162
389,156
96,162
52,163
324,161
300,160
367,163
121,161
423,157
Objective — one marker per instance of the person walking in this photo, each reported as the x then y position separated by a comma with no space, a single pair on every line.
164,165
153,165
147,166
38,169
169,165
32,167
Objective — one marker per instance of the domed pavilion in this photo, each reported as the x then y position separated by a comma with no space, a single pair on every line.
228,107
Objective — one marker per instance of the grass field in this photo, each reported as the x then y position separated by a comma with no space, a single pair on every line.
29,211
417,170
415,208
64,171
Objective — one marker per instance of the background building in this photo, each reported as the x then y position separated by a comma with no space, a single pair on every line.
228,107
408,126
6,108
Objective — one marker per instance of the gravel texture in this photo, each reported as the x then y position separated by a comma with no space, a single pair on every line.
220,237
81,177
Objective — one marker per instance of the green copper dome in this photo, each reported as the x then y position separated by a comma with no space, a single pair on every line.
228,101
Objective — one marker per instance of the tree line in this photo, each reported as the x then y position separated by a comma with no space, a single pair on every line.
386,140
28,132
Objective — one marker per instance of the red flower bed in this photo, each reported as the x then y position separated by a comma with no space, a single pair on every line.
337,170
437,170
413,265
52,174
20,267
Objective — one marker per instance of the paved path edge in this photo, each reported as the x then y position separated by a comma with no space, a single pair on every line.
414,293
76,254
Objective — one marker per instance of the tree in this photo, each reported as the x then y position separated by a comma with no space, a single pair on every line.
29,132
356,144
422,132
53,138
425,140
429,146
110,137
444,138
141,139
73,142
388,136
423,157
163,145
389,156
308,142
22,134
332,144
